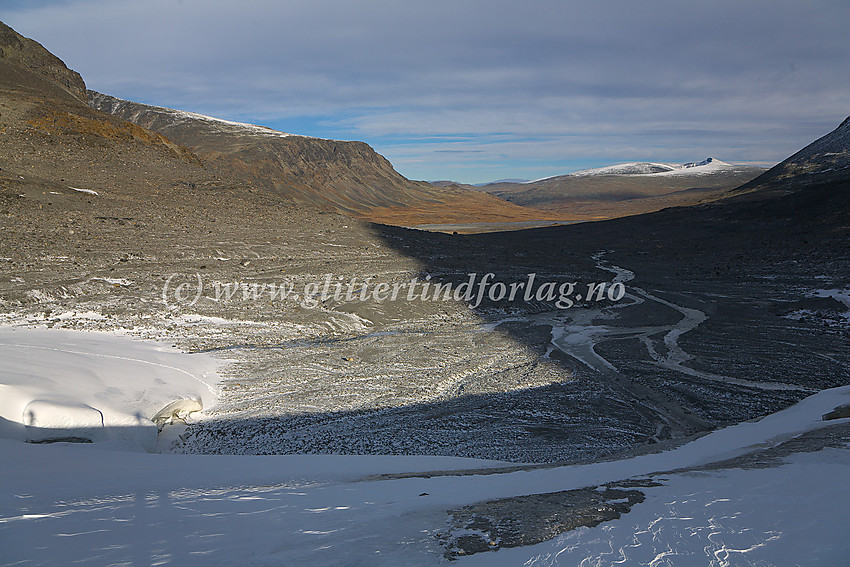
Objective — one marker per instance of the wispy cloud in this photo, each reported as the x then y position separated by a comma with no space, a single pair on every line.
479,88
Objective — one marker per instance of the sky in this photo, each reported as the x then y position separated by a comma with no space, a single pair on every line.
477,90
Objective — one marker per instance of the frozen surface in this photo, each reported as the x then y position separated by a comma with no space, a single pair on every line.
97,386
99,504
796,514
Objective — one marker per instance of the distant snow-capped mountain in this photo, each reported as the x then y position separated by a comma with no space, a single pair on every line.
627,188
706,166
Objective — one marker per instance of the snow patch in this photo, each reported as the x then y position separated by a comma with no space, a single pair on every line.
80,315
100,386
229,124
89,191
632,168
115,281
192,319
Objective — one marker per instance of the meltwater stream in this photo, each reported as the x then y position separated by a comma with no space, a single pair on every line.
577,331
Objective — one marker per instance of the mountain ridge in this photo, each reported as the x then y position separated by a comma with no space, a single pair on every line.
627,189
347,176
825,160
53,134
290,164
649,168
30,54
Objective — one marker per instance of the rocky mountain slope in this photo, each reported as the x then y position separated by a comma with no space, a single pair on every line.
52,139
21,52
824,161
54,136
349,177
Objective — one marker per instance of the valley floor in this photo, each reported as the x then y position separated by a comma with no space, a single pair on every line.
313,420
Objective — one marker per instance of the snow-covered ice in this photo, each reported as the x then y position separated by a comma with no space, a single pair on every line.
795,514
99,504
63,383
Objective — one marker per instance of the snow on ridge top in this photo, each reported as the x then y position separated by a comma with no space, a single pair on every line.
708,165
231,125
705,167
631,168
706,161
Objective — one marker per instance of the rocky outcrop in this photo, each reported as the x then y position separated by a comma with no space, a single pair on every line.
841,412
24,52
535,518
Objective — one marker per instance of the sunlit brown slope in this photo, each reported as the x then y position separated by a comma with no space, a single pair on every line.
51,134
347,176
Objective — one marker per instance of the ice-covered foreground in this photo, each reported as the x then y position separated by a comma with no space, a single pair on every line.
796,514
100,386
100,504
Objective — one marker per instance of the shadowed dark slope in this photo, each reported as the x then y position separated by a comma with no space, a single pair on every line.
824,161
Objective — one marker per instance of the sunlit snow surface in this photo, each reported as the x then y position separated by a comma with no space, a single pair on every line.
94,385
99,504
